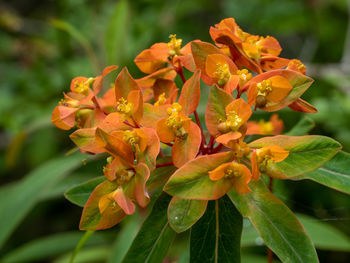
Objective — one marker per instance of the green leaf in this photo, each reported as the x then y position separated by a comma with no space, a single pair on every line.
117,33
155,236
334,174
22,198
324,235
192,181
215,111
80,38
48,247
130,227
306,153
160,176
217,235
303,127
79,194
276,224
183,213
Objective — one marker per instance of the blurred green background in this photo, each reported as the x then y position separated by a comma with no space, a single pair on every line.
44,44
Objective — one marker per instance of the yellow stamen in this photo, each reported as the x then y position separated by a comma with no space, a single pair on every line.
264,87
175,45
124,176
234,170
175,107
244,75
174,121
233,121
161,100
222,73
131,138
124,107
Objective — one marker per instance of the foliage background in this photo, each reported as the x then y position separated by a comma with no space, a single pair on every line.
44,44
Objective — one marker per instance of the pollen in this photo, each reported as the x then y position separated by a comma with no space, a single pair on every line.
131,138
234,170
175,45
244,75
174,120
161,100
175,107
233,121
222,73
264,87
124,176
124,107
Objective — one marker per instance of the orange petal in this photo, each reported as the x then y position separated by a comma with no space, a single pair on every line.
165,133
135,97
228,138
280,88
242,109
277,124
240,183
231,84
270,45
64,117
123,201
219,172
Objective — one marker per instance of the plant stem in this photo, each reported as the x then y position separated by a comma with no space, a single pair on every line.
269,251
169,144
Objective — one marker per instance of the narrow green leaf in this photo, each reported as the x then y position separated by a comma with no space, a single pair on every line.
48,247
334,174
183,213
21,199
217,235
116,33
81,244
130,227
303,127
306,153
80,194
155,236
276,224
81,39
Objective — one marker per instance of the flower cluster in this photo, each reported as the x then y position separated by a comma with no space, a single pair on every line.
138,122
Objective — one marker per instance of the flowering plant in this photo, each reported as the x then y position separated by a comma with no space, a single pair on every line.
157,147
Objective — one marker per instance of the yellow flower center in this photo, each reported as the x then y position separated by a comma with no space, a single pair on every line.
234,170
124,176
233,121
222,73
175,107
124,107
174,121
266,127
131,138
264,157
244,75
264,87
161,100
175,45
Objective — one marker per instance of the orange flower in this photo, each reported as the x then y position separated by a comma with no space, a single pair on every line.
273,89
261,158
272,127
247,50
237,114
225,72
160,54
238,173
